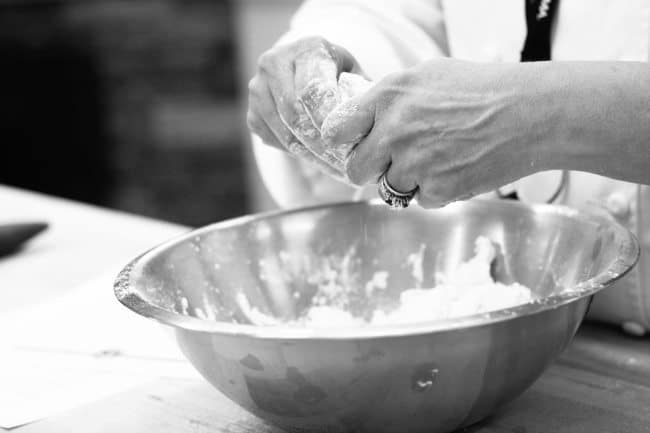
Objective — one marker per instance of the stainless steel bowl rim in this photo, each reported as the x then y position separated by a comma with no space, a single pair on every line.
628,255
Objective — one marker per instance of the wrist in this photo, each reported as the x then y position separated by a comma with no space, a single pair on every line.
548,105
585,109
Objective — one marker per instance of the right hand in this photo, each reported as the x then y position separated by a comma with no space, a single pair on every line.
294,90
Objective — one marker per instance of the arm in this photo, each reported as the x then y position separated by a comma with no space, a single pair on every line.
599,117
383,36
456,129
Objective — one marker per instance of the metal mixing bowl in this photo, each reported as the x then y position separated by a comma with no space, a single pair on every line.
424,377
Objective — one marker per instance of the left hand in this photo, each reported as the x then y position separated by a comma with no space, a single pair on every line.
451,128
295,87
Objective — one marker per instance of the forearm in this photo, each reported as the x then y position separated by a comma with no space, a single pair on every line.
598,117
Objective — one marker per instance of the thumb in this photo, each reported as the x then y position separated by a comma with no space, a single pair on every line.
350,121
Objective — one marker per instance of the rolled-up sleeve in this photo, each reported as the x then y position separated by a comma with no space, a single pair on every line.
384,36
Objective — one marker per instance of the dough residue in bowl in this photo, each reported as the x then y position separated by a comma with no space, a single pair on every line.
467,290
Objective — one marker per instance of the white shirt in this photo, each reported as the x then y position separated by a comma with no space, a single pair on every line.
388,35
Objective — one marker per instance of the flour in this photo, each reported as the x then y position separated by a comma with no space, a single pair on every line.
467,290
318,91
350,86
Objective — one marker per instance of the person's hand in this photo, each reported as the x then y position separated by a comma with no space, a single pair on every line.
452,129
294,90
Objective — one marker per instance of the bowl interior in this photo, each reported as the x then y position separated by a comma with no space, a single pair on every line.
280,261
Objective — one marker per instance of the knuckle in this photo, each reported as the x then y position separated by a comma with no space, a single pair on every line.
351,169
253,122
250,119
267,61
394,144
256,91
426,202
290,117
314,46
435,193
313,41
254,86
393,88
391,82
355,172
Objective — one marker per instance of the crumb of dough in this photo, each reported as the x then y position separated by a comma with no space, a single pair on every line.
379,281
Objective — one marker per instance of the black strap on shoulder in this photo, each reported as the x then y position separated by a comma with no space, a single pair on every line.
539,19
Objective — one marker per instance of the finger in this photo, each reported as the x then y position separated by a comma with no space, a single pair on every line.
345,62
316,78
307,134
260,105
263,114
264,120
351,85
399,179
350,121
292,113
280,86
289,142
259,127
298,150
280,78
443,189
431,201
428,202
316,84
369,159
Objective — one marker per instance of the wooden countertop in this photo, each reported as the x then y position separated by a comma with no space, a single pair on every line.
600,384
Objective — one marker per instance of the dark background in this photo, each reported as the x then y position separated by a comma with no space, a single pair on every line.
127,104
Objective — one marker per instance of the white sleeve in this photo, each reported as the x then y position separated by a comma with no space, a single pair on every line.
384,36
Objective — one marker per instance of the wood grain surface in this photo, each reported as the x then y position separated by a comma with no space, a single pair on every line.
601,384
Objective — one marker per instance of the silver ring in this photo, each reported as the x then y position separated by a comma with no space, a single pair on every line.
392,197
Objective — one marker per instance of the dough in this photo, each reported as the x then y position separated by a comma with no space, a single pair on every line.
466,291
